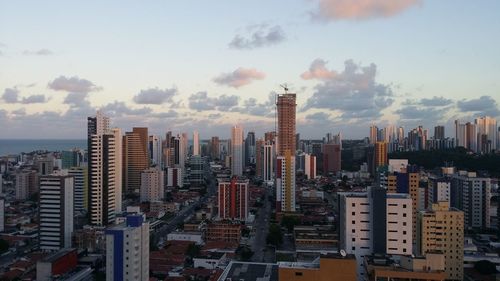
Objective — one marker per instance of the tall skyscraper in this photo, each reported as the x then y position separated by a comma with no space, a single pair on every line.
135,158
237,150
155,150
215,148
80,188
285,183
56,212
233,199
104,170
310,166
331,158
196,143
127,250
442,229
375,222
259,158
487,134
439,133
268,163
380,155
401,135
286,107
466,135
373,134
152,188
250,148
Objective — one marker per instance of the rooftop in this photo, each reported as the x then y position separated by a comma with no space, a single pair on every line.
249,271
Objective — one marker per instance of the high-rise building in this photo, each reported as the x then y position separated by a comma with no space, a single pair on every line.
286,107
127,250
268,163
104,170
250,148
380,155
442,229
196,143
438,190
331,158
310,166
439,133
375,222
2,214
285,183
214,148
152,180
373,134
174,177
233,199
56,212
487,134
72,158
297,141
237,150
135,158
80,194
26,183
472,195
155,150
259,158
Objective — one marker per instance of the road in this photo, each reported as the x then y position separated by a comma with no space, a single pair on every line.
161,233
259,246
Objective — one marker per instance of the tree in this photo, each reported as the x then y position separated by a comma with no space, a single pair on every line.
193,250
485,267
4,246
274,237
245,253
289,222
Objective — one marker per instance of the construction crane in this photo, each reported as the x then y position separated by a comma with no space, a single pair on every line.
285,87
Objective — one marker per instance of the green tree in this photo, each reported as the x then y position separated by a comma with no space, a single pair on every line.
274,237
4,246
289,222
193,250
485,267
244,253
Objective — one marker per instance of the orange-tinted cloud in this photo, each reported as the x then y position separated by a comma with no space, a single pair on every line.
361,9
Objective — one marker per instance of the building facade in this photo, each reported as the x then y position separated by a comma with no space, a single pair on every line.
233,199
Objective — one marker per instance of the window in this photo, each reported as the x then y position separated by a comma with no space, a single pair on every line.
354,248
298,273
353,213
353,204
353,239
353,222
404,206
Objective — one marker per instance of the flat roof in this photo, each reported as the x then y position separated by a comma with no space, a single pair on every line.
249,271
59,254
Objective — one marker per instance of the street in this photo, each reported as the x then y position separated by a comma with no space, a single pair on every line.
259,245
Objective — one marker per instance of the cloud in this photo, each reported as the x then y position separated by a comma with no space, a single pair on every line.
330,10
76,99
119,108
318,70
34,99
259,36
155,96
353,92
239,77
432,102
72,84
318,117
169,114
421,114
252,107
41,52
10,95
201,102
484,105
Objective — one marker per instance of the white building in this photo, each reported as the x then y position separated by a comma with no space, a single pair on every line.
487,134
155,150
237,150
310,166
127,250
174,177
196,143
196,237
285,183
56,212
105,170
439,189
268,161
375,222
152,185
80,188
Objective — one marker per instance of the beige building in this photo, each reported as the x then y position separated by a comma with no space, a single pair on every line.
442,229
430,267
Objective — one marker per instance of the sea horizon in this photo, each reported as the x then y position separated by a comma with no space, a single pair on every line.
19,145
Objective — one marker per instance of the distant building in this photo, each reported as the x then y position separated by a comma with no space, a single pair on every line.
233,199
310,166
26,184
127,250
331,158
196,143
215,148
135,158
237,152
56,212
174,177
250,149
155,151
442,229
80,188
268,163
152,187
2,214
487,134
439,133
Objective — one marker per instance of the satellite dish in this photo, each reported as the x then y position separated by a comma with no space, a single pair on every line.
343,253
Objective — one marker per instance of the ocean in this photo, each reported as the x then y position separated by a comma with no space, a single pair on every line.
16,146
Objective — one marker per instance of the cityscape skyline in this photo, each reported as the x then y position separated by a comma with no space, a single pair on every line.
342,81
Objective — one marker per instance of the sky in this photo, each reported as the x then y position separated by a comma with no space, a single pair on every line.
208,65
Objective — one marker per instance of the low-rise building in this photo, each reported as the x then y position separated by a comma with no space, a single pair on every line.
196,237
330,267
224,231
381,267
